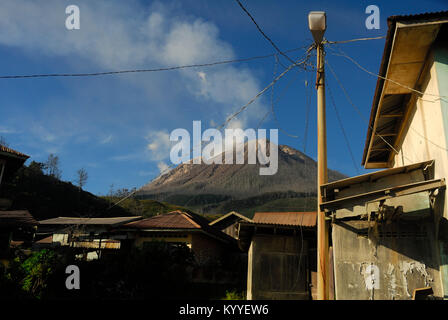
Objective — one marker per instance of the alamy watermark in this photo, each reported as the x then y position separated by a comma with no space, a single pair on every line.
235,142
72,281
72,22
373,20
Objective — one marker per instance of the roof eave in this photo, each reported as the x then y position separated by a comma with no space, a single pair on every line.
379,84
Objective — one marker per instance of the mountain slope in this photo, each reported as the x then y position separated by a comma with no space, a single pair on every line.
212,188
47,197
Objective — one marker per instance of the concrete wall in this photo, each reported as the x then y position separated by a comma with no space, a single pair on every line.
426,137
384,263
273,268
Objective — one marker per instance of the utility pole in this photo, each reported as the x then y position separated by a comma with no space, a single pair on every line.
317,25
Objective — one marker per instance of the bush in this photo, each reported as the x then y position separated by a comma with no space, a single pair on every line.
235,295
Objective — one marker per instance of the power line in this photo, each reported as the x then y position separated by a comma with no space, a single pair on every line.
307,112
371,127
262,32
272,111
358,111
342,129
224,124
343,54
274,116
92,74
352,40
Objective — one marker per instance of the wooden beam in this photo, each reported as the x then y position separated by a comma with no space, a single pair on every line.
391,115
380,149
386,134
376,165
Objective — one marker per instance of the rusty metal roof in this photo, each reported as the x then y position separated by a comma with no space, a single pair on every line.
13,152
233,215
179,220
170,220
16,218
304,219
88,221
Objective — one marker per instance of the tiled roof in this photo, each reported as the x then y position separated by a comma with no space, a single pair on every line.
13,152
304,219
16,218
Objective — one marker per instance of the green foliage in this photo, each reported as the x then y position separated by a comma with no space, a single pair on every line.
234,295
37,269
145,208
219,204
46,196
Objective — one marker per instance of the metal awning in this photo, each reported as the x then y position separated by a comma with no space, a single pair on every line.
381,185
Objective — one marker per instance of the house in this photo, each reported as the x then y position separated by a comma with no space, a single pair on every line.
229,223
16,227
281,254
388,228
89,236
10,161
383,237
177,227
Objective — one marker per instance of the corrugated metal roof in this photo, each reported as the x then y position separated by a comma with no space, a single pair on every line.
88,221
16,218
178,220
304,219
13,152
170,220
419,16
47,240
231,215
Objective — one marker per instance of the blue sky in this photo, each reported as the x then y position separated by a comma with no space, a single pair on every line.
117,127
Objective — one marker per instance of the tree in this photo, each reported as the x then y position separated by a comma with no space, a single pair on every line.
37,167
81,177
3,142
52,166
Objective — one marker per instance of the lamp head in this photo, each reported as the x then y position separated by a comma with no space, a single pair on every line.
317,22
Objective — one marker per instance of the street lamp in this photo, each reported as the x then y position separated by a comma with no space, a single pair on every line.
317,22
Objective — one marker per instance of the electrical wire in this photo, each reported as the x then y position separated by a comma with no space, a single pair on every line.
359,111
262,32
341,125
226,122
307,112
143,70
352,40
343,54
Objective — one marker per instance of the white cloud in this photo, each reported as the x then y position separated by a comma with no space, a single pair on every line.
106,139
109,39
7,130
159,145
125,157
163,167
